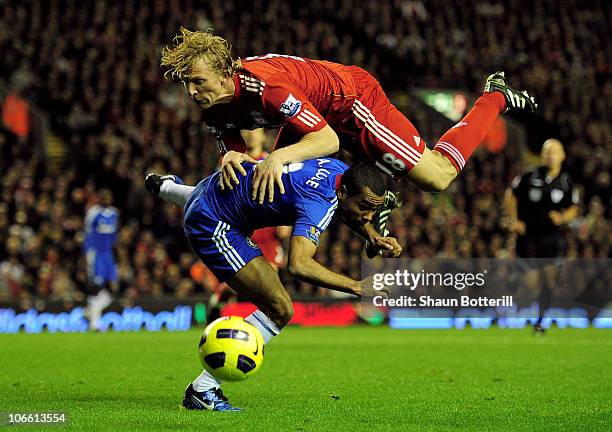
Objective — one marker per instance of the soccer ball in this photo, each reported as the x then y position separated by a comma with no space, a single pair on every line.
231,349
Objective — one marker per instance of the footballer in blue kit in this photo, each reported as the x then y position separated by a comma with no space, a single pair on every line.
101,223
218,222
101,227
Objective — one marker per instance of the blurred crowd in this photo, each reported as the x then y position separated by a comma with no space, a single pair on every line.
93,67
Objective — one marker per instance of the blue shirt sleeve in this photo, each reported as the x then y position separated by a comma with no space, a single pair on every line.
314,213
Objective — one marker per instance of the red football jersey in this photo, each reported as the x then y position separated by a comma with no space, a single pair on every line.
301,95
273,91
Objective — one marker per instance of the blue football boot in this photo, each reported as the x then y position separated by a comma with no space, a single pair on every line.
153,182
211,400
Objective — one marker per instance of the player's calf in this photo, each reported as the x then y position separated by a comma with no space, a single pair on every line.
280,312
258,282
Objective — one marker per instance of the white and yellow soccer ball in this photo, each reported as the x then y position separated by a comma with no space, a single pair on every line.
231,349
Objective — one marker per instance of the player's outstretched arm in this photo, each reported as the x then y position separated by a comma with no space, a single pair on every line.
303,266
323,142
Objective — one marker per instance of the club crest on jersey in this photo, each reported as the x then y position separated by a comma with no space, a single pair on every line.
291,106
251,243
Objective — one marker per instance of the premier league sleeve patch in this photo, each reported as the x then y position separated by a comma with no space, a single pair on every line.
291,106
313,234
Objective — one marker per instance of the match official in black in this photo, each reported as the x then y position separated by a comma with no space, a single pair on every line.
539,204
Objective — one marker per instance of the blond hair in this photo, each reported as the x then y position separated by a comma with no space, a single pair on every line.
190,46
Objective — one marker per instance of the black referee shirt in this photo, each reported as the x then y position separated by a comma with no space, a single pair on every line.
538,195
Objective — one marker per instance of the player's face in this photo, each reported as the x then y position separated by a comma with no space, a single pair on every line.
552,153
106,198
360,208
205,87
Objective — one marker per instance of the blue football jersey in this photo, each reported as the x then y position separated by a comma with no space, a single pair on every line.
101,226
308,204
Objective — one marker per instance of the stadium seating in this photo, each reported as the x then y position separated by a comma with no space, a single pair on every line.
94,68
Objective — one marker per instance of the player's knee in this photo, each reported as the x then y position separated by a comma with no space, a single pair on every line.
434,173
446,172
281,311
437,182
443,181
293,269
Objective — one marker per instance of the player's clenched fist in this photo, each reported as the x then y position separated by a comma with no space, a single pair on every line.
268,174
232,162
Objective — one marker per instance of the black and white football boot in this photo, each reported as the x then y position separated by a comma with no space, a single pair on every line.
516,101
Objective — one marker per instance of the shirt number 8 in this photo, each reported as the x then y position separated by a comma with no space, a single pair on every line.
393,162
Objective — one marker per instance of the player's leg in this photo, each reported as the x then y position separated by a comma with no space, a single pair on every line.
459,142
433,173
101,273
168,187
395,144
549,249
232,258
455,147
259,283
387,139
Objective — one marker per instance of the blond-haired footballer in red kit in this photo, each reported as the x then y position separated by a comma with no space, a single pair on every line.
318,107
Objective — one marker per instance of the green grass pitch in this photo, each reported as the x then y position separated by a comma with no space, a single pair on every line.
322,379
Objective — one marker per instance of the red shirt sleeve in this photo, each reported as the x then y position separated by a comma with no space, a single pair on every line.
284,101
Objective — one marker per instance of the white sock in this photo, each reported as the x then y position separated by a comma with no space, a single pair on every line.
205,382
96,305
175,193
268,330
264,324
104,299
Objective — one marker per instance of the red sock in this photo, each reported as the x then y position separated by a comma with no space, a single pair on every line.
459,142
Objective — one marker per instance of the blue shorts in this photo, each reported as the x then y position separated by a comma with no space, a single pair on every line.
101,267
223,249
